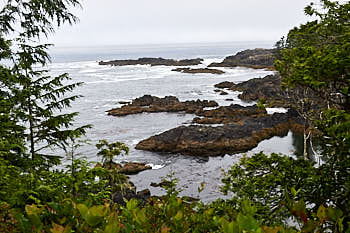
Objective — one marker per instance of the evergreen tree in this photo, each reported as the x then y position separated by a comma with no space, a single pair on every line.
37,99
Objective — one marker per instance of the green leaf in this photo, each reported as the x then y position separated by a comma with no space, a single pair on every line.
321,213
179,215
247,222
83,210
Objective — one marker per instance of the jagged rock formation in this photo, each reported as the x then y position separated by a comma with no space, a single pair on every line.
154,62
252,58
225,84
267,89
199,71
128,168
215,141
228,114
148,103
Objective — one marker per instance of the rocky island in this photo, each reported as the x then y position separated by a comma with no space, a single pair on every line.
198,71
251,58
267,88
153,62
232,138
148,103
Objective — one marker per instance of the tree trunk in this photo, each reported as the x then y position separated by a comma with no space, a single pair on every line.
305,144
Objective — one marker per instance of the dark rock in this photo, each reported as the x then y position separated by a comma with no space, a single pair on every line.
148,103
252,58
225,84
223,93
215,141
128,194
164,183
199,70
228,99
228,114
144,194
154,62
123,102
127,168
260,88
133,168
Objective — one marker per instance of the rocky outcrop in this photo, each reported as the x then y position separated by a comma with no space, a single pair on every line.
148,103
153,62
267,88
225,84
128,168
228,114
131,168
252,58
199,71
215,141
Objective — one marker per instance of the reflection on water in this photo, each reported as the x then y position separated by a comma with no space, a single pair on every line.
298,143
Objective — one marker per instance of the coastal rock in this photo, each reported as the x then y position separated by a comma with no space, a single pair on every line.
215,141
267,88
131,168
148,103
225,84
228,114
198,71
153,62
128,168
251,58
164,183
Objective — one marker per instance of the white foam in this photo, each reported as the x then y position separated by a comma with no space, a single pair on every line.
155,166
208,61
276,110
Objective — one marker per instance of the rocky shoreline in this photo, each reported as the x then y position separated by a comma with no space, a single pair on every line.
267,89
198,71
215,130
251,58
153,62
238,129
152,104
231,138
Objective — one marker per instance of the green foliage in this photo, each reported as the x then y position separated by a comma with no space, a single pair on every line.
261,104
335,125
316,54
110,150
35,98
266,179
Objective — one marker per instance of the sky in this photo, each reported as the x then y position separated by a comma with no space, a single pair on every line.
120,22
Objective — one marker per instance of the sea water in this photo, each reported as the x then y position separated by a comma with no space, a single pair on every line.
105,86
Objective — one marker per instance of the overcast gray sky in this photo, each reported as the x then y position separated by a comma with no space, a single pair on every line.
113,22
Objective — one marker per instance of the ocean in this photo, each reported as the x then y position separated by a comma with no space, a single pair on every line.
105,86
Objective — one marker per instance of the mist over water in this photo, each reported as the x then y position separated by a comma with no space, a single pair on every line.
106,86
